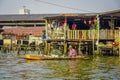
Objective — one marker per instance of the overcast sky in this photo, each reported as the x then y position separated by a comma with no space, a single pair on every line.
58,6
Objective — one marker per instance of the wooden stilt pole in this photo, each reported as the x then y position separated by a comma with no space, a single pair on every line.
49,47
98,25
65,34
93,41
79,52
46,28
65,47
119,41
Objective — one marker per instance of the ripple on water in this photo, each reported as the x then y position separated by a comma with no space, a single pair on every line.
13,68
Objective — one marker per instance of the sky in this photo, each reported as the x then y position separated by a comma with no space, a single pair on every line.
58,6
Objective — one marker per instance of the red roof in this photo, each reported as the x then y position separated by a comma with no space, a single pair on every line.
36,31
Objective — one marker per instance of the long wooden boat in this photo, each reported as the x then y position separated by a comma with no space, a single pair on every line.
32,57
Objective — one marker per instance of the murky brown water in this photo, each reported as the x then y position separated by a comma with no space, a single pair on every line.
97,68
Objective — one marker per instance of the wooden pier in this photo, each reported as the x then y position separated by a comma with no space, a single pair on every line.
81,40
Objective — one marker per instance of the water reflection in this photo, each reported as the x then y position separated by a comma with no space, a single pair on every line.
97,68
72,66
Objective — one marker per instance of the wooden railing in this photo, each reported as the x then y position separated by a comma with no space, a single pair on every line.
56,34
108,34
82,34
92,34
85,34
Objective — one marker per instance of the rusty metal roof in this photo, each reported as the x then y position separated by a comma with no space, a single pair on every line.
30,17
112,13
24,30
38,17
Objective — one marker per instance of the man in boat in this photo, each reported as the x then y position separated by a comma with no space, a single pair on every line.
72,52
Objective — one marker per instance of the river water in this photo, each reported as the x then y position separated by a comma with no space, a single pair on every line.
97,68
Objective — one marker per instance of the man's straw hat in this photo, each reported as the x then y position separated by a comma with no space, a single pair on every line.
70,46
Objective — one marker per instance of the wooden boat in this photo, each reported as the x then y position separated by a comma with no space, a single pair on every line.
32,57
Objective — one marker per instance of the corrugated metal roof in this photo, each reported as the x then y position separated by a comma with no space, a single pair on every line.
37,17
34,17
112,13
29,17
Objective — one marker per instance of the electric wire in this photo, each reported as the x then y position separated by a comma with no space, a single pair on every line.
45,2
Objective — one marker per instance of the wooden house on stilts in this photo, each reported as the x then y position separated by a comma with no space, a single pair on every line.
85,32
91,33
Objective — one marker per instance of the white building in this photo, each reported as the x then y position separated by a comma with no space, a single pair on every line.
24,11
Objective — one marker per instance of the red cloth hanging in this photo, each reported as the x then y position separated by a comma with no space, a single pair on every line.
74,26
